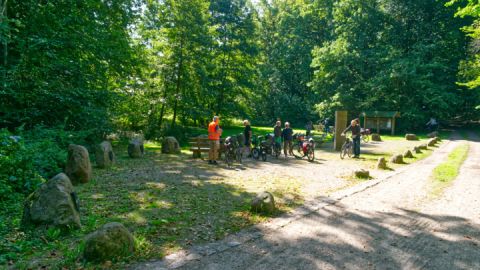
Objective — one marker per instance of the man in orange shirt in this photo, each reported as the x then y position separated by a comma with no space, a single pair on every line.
214,133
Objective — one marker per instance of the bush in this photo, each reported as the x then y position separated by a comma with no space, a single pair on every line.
30,157
17,171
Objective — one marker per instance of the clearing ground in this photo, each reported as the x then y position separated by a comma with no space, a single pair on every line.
395,223
171,202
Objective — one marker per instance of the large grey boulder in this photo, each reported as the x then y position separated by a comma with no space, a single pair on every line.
263,203
417,150
382,163
104,155
432,142
411,137
363,174
135,148
397,159
54,203
376,137
111,241
423,146
170,145
78,167
408,154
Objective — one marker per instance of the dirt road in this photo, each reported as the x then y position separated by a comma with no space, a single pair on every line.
392,224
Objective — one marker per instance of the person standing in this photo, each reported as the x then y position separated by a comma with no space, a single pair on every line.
214,133
355,129
277,133
308,128
287,136
247,132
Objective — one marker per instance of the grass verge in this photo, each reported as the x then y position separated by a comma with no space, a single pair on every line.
444,174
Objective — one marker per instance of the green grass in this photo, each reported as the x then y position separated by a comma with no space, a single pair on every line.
444,174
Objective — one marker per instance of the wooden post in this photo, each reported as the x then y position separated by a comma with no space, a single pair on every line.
393,125
378,125
340,125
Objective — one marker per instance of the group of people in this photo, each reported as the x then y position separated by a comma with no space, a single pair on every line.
280,135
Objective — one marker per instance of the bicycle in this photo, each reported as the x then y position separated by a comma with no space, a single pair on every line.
347,148
305,147
365,135
232,151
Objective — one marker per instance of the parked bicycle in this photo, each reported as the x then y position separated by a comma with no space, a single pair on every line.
304,147
233,151
365,135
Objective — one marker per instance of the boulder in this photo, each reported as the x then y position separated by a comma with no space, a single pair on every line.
423,146
263,203
438,139
376,137
432,142
382,163
104,155
53,203
361,174
397,159
111,241
135,148
411,137
432,134
417,150
78,167
170,145
408,154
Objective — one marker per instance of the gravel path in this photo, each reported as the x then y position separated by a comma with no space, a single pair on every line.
391,224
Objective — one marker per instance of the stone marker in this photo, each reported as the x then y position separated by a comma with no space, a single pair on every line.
78,167
432,142
170,145
432,134
408,154
361,174
411,137
376,137
382,163
263,203
135,148
397,159
104,155
423,146
417,150
438,139
53,203
111,241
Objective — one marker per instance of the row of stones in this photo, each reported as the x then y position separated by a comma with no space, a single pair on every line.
397,159
55,203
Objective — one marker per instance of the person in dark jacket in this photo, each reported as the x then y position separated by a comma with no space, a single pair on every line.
287,136
355,129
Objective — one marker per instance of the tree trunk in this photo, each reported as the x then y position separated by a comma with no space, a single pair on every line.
178,85
3,14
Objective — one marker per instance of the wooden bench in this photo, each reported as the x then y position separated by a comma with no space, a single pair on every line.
202,144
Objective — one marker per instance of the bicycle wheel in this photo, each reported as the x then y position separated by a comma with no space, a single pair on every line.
311,154
350,150
255,153
239,156
264,155
343,151
229,159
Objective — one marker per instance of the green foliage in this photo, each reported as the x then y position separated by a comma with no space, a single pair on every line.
381,60
17,171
